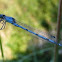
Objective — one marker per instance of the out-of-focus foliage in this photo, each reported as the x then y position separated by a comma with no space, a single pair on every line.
19,45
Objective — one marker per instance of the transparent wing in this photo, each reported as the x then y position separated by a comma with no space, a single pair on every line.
45,34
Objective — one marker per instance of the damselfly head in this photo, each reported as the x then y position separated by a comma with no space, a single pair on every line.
2,15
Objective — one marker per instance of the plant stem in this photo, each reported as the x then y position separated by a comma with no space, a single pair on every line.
58,31
1,49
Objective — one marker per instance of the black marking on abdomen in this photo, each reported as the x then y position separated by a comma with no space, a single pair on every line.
37,34
27,29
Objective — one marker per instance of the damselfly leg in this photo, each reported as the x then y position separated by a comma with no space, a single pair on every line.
2,23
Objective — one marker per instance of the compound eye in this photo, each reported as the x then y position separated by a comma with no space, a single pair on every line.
3,15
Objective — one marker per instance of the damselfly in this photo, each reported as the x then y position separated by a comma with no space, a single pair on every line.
20,25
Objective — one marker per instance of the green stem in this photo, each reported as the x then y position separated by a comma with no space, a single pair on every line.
1,49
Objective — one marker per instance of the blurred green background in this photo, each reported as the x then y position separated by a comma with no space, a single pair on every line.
21,46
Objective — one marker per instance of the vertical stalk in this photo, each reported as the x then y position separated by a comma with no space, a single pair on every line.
1,49
58,31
